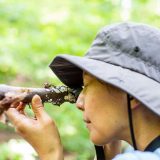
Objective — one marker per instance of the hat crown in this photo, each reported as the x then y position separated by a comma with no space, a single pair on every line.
129,45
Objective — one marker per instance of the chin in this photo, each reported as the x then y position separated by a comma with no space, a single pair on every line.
98,140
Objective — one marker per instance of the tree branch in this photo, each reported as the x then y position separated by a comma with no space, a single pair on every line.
51,94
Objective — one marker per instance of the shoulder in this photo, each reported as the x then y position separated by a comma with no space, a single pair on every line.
138,155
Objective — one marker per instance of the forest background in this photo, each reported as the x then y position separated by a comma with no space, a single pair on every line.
32,33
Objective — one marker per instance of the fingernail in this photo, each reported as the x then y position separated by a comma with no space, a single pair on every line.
36,99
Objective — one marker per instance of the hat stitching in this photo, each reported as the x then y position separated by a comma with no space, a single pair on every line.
141,59
136,49
145,61
132,69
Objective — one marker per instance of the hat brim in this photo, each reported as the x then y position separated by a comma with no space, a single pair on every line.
69,70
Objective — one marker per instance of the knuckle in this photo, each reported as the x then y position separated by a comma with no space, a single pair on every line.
37,107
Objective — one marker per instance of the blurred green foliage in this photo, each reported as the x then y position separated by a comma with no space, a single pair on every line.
32,33
5,153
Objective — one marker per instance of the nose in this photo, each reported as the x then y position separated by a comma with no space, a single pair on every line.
80,102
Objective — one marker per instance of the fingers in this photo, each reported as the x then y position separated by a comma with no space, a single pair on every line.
38,108
15,104
21,107
14,116
3,118
18,114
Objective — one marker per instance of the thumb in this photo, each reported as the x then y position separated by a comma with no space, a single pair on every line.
37,106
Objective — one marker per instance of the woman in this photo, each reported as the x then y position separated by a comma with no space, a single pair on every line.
120,100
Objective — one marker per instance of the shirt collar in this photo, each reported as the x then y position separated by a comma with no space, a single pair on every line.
153,145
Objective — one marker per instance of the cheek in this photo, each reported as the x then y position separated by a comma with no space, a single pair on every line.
105,126
92,108
101,135
105,115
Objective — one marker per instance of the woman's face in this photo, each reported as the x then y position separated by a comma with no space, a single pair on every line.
104,110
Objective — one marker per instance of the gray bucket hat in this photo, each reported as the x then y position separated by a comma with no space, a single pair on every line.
126,55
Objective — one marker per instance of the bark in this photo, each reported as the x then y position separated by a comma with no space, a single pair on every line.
52,94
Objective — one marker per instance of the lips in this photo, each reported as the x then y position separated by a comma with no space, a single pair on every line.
88,123
86,120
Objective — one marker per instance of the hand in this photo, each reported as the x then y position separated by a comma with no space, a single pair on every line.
112,149
40,132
